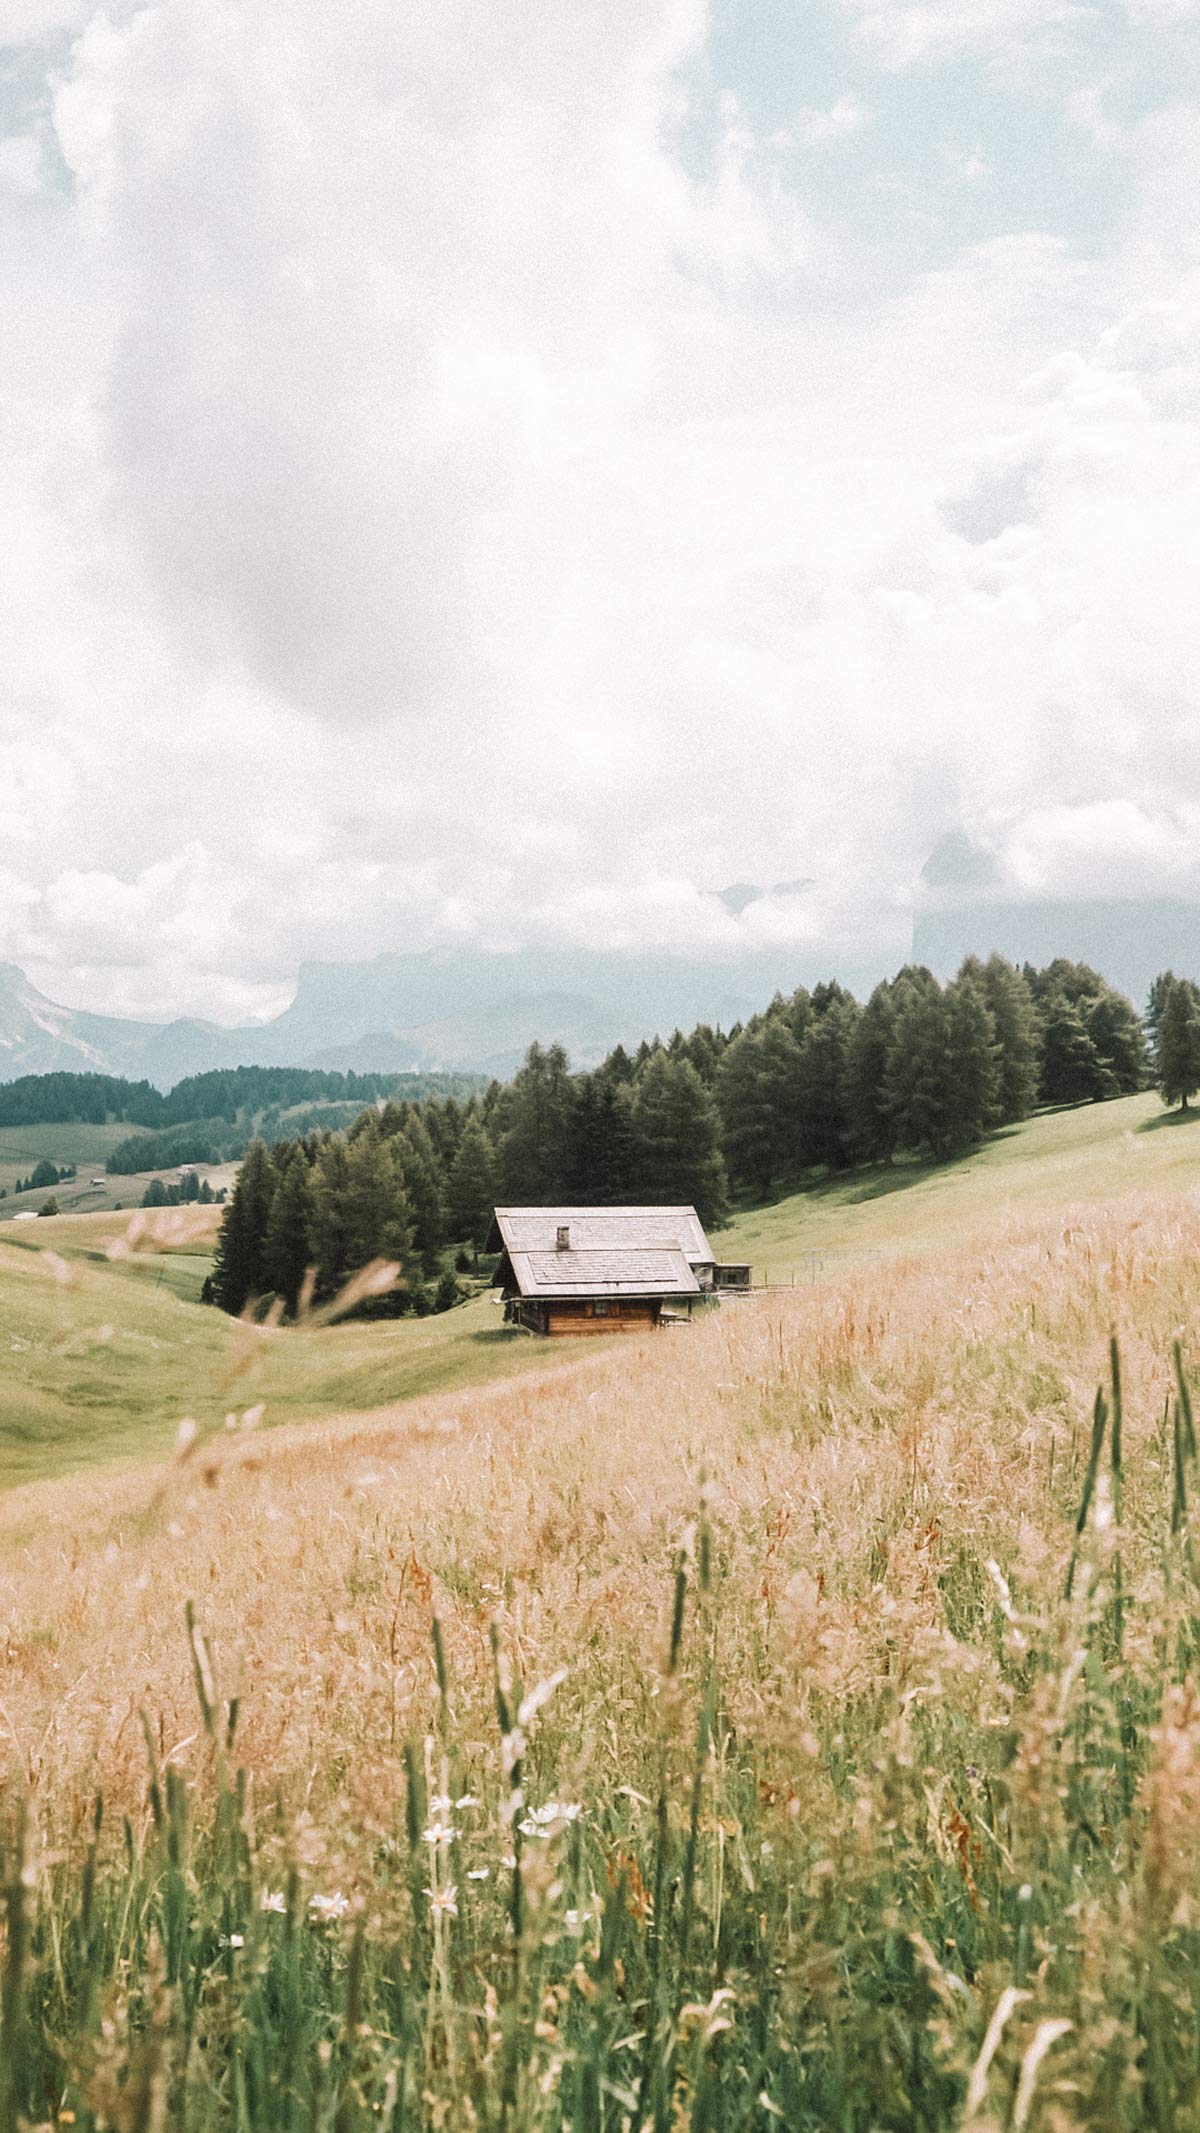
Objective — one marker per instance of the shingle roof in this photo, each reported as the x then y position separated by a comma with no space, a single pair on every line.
655,1271
612,1251
602,1229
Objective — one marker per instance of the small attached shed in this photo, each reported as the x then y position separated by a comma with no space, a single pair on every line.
580,1270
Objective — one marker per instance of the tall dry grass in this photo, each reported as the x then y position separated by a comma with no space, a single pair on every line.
837,1809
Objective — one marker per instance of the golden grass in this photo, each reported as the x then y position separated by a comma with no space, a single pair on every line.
866,1445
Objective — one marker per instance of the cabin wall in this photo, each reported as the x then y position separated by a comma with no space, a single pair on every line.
581,1318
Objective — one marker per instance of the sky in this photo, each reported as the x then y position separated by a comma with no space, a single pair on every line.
492,475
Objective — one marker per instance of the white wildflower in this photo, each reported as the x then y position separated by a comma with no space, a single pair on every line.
327,1908
444,1900
439,1833
478,1873
272,1900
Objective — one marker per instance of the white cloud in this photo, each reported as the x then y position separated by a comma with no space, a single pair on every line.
430,516
816,124
901,34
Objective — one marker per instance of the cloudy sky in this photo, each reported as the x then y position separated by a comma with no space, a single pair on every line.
493,473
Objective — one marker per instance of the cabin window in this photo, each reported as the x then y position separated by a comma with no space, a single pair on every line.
601,1310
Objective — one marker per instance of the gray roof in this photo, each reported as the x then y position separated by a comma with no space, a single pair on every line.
613,1251
662,1271
602,1229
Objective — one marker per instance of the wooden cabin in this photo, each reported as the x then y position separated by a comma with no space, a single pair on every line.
581,1270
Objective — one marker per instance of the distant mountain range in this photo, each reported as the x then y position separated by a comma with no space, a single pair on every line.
460,1010
470,1012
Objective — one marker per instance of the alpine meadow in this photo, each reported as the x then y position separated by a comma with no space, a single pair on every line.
600,1066
786,1718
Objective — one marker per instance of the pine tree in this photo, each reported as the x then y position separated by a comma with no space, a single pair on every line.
678,1131
471,1187
423,1183
823,1079
360,1208
332,1248
1071,1068
288,1249
913,1085
534,1153
239,1270
872,1123
970,1069
1120,1043
1018,1037
1160,992
1179,1044
618,1066
759,1094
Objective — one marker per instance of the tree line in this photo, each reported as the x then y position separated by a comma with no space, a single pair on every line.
815,1083
235,1094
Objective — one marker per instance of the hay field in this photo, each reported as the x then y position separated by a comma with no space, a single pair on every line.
699,1734
96,1372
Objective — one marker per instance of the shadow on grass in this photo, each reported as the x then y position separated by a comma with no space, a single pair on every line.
851,1187
1168,1118
854,1187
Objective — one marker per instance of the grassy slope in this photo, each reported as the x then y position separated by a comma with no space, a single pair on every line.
1096,1153
101,1360
102,1366
946,1822
88,1147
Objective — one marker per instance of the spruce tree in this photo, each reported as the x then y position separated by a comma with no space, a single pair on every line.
1018,1037
759,1094
823,1079
239,1269
288,1249
970,1069
1179,1044
872,1123
1120,1043
618,1066
678,1131
585,1158
423,1182
534,1153
471,1187
913,1086
1071,1067
332,1248
1160,993
360,1207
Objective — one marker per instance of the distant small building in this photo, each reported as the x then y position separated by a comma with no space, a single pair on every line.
579,1270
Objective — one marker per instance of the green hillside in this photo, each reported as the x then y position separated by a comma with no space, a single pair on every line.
1096,1152
103,1359
88,1147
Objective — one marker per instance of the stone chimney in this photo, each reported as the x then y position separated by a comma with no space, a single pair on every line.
564,1237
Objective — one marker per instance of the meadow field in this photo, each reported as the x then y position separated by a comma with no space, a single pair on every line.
787,1721
88,1147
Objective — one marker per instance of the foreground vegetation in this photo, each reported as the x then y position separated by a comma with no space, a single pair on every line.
790,1722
